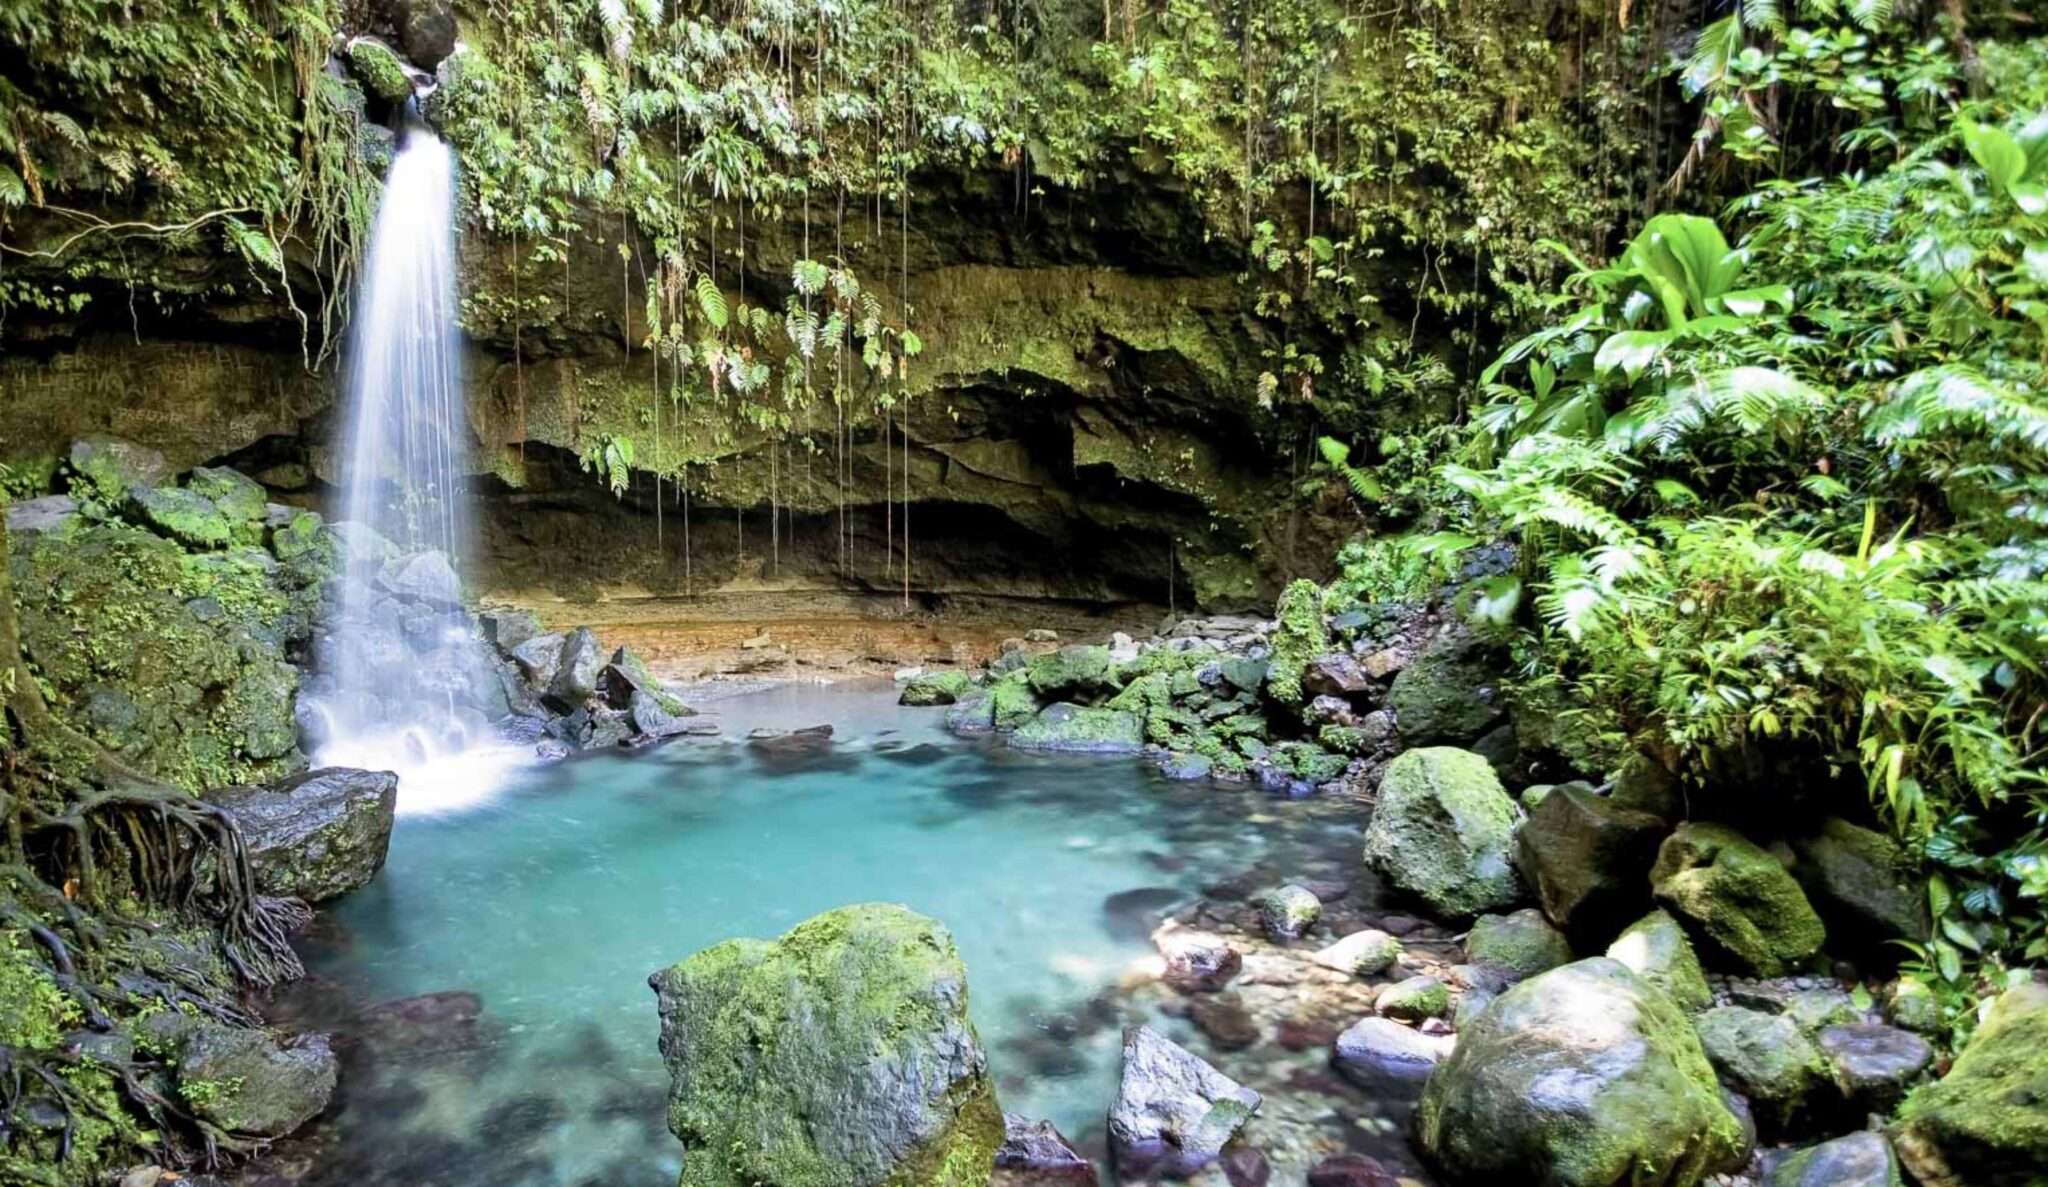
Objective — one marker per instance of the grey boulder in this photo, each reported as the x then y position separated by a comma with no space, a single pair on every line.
318,835
1173,1112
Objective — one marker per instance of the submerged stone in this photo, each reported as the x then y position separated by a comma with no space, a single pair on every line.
839,1055
1173,1112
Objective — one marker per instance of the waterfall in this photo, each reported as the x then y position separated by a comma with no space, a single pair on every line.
405,682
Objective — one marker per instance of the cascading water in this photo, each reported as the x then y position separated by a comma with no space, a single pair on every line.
405,683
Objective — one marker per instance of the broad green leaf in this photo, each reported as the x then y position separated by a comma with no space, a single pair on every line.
1495,600
1631,352
1752,301
2032,196
1996,152
1321,249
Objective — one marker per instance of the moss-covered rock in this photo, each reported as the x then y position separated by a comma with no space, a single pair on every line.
238,497
1522,943
1080,729
1738,898
935,688
1288,911
839,1055
1299,638
379,68
1414,999
246,1082
1767,1058
1011,702
104,469
1656,949
1584,1076
1450,693
315,836
1072,673
178,662
186,516
1985,1124
1443,830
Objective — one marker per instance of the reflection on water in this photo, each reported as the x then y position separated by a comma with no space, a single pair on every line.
533,922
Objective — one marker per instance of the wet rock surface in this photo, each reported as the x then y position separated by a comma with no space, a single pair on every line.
318,835
1173,1112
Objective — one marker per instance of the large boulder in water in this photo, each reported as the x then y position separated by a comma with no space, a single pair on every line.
1173,1112
1985,1124
1738,898
1081,729
1585,1076
318,835
838,1054
1443,830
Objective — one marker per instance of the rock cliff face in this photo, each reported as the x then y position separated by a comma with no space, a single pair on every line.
1080,429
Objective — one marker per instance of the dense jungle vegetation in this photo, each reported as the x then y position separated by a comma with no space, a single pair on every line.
1768,432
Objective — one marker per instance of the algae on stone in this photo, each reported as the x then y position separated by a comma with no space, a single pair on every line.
1443,830
1300,638
1985,1124
1738,897
1655,947
840,1055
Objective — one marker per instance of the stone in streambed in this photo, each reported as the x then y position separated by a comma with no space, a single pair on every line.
246,1082
935,688
1080,729
1352,1170
1443,830
186,516
1012,704
1361,954
1587,858
538,657
1858,1160
839,1054
575,679
1414,999
1738,897
1288,911
1655,947
1036,1154
1768,1059
1874,1065
1173,1112
1586,1072
1522,943
318,835
1075,672
105,469
1377,1053
1196,961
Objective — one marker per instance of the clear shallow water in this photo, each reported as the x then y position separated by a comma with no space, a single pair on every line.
552,903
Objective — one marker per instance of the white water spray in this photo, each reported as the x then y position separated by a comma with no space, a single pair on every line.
406,684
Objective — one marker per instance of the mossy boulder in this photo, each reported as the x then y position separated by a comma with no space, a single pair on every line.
1072,673
1288,911
1584,1076
1298,639
1414,999
935,688
238,497
246,1082
1862,883
1081,729
1521,943
1450,693
380,69
1443,830
1985,1124
104,469
177,662
1739,898
184,515
1656,949
839,1055
1766,1058
1011,702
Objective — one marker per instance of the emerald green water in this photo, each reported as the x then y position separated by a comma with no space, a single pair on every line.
553,901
